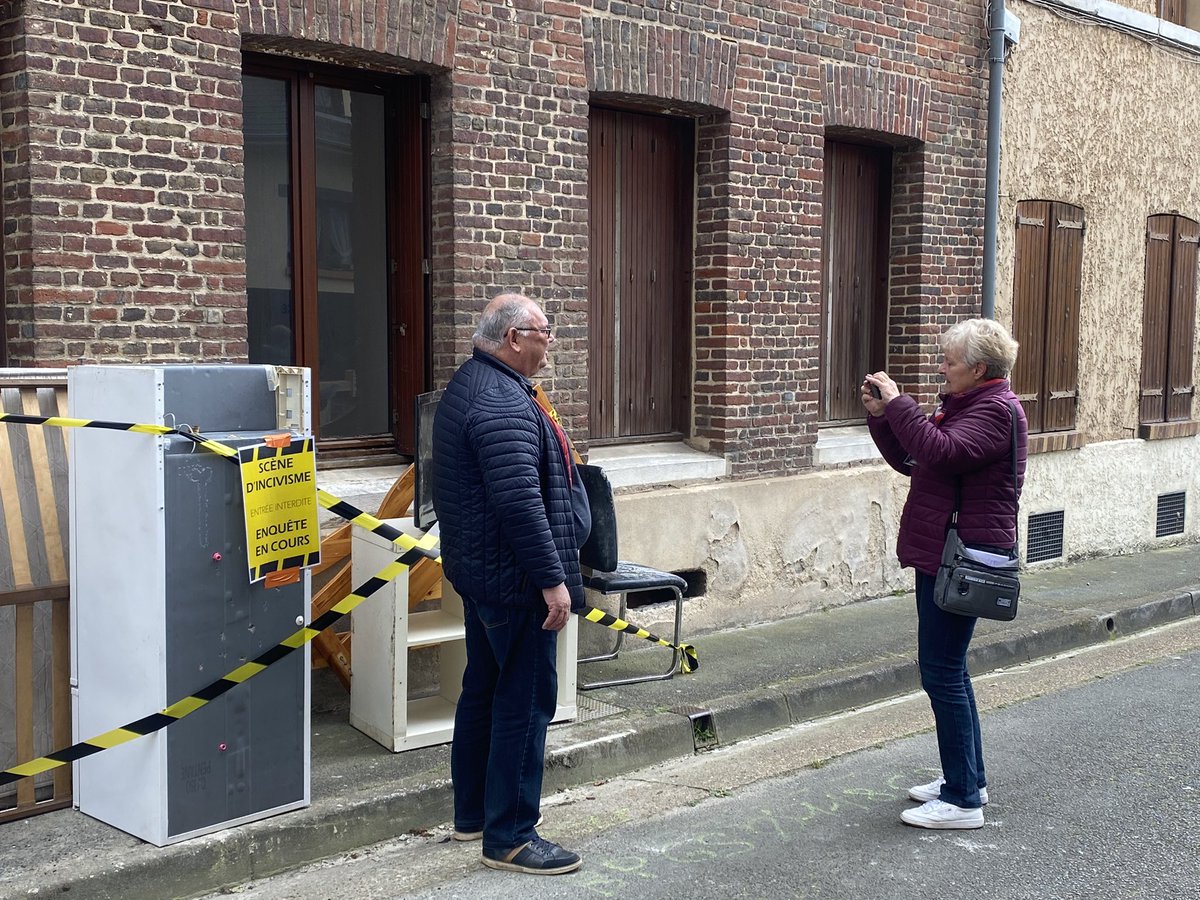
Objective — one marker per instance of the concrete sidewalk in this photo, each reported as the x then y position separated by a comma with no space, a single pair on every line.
751,680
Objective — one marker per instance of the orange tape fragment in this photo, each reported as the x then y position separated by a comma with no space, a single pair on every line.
282,577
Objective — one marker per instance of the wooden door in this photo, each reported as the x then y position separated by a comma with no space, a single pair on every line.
640,188
857,223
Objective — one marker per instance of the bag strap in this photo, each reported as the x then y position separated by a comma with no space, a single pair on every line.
1012,410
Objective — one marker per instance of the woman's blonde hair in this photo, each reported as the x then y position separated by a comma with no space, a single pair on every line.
983,341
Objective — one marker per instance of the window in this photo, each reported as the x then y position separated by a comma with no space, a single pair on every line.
1047,273
1168,319
854,293
640,192
335,243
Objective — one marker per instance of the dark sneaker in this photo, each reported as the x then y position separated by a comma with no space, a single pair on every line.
538,857
478,835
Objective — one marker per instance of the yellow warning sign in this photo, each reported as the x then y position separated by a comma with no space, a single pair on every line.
279,494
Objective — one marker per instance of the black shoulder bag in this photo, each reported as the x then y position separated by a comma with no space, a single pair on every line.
973,582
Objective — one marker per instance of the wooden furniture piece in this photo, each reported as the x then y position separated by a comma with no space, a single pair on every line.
35,674
389,700
332,647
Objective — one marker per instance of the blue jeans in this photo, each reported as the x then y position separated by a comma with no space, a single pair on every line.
509,692
942,641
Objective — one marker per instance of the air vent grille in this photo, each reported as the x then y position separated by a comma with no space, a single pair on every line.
1045,540
1171,509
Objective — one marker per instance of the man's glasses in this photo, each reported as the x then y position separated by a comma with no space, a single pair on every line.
546,331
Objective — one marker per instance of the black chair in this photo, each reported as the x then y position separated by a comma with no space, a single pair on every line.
607,575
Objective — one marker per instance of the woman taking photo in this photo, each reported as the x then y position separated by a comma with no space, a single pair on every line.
967,441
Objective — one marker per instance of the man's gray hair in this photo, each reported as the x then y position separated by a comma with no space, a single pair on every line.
504,312
983,341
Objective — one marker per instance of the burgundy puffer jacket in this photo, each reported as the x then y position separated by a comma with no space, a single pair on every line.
972,440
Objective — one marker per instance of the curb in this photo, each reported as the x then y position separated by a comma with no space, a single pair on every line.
796,701
603,749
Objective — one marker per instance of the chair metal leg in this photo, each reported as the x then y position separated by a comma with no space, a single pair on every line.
675,654
620,639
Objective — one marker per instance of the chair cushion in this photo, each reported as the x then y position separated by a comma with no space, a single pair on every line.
631,577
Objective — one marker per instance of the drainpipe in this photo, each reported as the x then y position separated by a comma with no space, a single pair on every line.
991,204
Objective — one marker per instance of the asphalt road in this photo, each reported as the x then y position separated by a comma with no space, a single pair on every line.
1094,776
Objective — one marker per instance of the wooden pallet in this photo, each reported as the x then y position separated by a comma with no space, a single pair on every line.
34,590
332,648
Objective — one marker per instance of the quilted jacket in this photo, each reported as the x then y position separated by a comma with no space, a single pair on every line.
501,490
971,439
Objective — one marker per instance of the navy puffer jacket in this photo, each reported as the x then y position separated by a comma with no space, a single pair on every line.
971,440
501,490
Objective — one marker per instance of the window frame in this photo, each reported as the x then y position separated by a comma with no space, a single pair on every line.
407,194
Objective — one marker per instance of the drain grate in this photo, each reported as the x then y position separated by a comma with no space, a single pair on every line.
588,708
1045,539
1171,509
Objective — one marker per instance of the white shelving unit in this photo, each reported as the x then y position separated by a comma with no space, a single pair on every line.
385,634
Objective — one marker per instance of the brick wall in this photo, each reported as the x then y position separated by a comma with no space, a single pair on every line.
130,247
124,231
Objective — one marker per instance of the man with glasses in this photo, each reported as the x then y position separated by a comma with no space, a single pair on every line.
507,496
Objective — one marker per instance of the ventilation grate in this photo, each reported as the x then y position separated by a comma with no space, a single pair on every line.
1171,508
1045,539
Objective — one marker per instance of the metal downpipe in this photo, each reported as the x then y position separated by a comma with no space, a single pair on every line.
991,205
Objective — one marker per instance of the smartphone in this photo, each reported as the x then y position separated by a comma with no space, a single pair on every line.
874,390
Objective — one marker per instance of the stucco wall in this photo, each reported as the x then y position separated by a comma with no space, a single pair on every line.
783,546
1109,122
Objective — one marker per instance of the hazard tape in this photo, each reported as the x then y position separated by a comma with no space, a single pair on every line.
414,548
689,662
339,507
197,699
334,504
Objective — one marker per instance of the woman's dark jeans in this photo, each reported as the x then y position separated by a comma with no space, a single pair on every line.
942,641
510,689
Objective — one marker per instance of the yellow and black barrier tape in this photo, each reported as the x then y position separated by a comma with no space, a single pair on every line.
414,548
689,662
244,672
426,545
340,507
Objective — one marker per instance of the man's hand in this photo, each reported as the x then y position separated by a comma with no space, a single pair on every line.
558,607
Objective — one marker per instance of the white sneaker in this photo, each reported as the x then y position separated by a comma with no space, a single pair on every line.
937,814
923,793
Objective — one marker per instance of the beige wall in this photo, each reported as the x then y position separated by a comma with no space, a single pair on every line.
1111,123
1146,6
783,546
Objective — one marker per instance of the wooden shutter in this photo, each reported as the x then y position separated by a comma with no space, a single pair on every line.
1047,283
1182,322
1064,286
1173,10
604,134
854,273
640,178
1029,306
1168,319
1156,318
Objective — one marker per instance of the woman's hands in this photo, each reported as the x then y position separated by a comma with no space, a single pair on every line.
887,392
